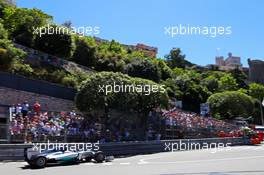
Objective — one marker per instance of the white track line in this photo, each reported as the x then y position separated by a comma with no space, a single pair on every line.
107,163
124,163
142,161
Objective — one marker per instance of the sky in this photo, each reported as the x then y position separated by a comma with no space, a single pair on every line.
147,21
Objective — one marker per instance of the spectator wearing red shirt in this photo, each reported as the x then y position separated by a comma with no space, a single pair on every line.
37,107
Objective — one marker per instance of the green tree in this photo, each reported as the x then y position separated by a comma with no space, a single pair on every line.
9,54
21,23
144,68
166,71
135,54
178,71
193,96
211,83
173,89
111,56
85,53
176,59
3,32
240,77
256,91
90,96
227,83
187,88
230,104
4,4
60,44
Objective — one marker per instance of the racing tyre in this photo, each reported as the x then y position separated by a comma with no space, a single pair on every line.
99,157
40,162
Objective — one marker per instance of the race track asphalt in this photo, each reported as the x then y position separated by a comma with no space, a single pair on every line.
239,160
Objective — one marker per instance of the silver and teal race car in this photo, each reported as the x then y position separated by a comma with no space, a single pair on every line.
61,156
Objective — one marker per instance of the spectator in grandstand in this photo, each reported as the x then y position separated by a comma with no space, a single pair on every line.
18,108
25,108
39,126
36,107
149,134
188,121
126,135
13,109
158,136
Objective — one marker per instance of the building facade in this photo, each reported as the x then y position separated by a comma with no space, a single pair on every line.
148,51
256,71
231,62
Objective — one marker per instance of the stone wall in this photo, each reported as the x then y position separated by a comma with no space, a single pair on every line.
10,96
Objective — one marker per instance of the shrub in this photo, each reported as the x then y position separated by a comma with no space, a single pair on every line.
231,104
85,51
56,43
69,81
144,68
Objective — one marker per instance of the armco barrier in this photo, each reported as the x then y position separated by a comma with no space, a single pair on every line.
147,147
15,151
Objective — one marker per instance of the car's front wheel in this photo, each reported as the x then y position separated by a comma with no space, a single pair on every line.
40,162
99,157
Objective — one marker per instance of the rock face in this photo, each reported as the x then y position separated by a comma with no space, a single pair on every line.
36,57
256,71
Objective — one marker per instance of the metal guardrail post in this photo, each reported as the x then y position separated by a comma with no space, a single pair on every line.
8,131
65,135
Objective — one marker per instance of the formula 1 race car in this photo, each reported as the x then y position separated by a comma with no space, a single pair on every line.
61,156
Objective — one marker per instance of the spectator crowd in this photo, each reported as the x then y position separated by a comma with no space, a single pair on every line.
32,122
193,122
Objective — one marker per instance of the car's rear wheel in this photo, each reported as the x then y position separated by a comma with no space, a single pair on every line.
99,157
40,162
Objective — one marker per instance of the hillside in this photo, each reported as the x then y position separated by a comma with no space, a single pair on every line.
68,59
